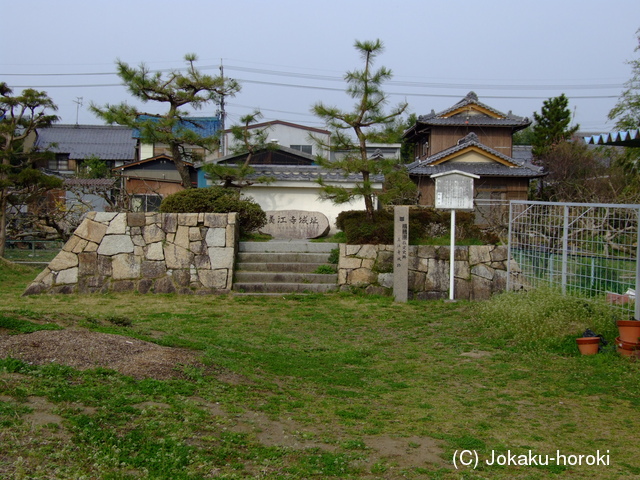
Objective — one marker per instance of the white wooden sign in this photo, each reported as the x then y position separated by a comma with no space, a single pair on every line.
454,191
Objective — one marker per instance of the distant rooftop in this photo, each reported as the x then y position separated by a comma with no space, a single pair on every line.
108,142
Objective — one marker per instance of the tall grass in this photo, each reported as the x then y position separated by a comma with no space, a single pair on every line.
523,319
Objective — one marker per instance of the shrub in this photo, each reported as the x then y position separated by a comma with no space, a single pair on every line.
424,223
251,217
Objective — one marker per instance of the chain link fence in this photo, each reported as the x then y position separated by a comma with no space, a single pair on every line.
581,248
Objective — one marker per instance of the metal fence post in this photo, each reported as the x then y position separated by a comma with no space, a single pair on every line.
565,247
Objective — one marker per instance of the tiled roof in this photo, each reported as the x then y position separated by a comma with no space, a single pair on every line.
443,119
90,182
481,169
429,166
83,141
203,126
307,173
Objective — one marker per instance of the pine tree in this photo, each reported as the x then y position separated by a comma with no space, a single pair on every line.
177,90
551,126
365,87
20,116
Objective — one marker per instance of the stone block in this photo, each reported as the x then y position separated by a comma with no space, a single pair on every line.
164,285
195,234
87,263
479,254
181,278
499,253
123,286
385,280
169,222
213,278
198,248
461,270
118,226
153,233
115,245
177,257
362,276
71,243
67,277
104,217
104,266
182,237
368,251
63,261
216,237
136,219
125,266
91,230
221,257
215,220
437,275
188,219
462,289
202,262
349,262
483,271
480,288
152,269
417,281
145,285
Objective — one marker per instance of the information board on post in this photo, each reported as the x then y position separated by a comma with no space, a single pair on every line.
454,191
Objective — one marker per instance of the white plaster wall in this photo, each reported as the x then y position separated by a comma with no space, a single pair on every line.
287,135
293,196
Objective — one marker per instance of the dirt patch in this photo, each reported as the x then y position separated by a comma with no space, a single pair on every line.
83,349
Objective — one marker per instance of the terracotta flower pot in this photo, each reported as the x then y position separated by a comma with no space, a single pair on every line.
627,349
588,345
629,331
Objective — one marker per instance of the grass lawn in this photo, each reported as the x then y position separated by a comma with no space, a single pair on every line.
321,386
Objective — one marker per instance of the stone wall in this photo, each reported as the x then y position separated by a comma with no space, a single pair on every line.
145,252
480,271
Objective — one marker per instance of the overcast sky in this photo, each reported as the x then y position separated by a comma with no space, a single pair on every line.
289,55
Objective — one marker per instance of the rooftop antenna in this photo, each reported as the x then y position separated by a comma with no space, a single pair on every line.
78,102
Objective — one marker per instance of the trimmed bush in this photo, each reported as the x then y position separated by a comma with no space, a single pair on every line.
251,217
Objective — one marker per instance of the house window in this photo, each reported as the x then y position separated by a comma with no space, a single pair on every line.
145,203
60,162
303,148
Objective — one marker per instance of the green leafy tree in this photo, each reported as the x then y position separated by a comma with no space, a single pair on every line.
20,116
351,130
246,140
551,125
177,90
626,113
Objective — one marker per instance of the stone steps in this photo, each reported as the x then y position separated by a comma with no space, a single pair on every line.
281,266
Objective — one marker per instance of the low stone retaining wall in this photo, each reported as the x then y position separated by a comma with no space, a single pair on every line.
145,252
480,271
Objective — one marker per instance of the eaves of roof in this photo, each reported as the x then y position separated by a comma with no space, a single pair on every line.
147,160
481,169
307,173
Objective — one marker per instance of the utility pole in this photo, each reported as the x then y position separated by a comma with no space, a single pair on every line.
78,102
222,114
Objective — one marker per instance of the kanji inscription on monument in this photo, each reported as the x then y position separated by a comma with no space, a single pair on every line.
296,224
